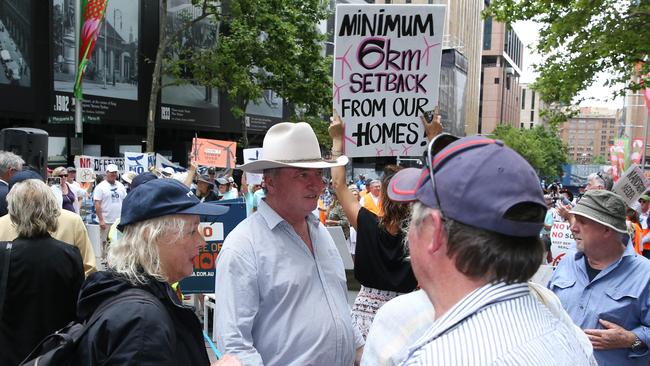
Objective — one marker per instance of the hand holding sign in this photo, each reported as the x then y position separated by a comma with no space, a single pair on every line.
337,131
432,123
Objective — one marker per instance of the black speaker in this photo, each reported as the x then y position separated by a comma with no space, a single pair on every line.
28,143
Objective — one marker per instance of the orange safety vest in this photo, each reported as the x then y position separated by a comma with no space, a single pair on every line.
322,211
369,204
646,246
636,240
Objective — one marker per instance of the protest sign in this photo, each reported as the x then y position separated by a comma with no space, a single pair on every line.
562,242
214,230
162,163
631,185
253,155
84,167
216,153
386,75
138,162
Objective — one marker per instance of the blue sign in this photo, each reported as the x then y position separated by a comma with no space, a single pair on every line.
214,230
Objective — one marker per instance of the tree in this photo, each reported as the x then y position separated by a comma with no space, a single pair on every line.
579,39
599,159
268,45
540,146
208,9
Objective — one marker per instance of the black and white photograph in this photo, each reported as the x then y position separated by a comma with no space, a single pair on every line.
112,69
201,35
15,42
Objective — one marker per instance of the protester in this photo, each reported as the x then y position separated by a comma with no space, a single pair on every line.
127,179
44,274
604,287
159,221
108,196
10,163
280,281
204,189
336,217
79,191
373,200
644,211
634,229
472,256
595,181
70,229
62,190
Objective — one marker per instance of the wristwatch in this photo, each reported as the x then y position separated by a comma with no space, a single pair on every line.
638,344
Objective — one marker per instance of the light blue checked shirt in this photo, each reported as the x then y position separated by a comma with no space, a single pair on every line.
498,324
276,302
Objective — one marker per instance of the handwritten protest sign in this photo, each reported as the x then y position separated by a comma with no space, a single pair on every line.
386,75
562,242
138,162
631,185
216,153
253,155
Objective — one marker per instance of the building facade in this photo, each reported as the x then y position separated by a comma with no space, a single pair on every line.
501,69
590,134
531,106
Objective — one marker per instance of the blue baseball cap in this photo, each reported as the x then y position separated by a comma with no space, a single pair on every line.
478,180
142,178
161,197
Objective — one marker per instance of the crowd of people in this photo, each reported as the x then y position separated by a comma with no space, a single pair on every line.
444,254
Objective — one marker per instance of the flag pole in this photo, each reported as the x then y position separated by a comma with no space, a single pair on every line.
78,123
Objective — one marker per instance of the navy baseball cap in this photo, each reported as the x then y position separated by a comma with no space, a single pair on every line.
478,180
161,197
142,179
24,175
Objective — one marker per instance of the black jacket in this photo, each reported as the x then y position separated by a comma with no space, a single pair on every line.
45,275
136,332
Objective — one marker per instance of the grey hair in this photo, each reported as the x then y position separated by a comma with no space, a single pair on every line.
9,160
33,208
136,256
596,180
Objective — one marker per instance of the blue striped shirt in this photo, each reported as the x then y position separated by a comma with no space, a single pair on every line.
498,324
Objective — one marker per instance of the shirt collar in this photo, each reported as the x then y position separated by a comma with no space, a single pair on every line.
273,219
476,300
2,181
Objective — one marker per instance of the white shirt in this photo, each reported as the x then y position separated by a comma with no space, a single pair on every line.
499,324
111,197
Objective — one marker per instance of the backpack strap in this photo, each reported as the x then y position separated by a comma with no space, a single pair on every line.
5,274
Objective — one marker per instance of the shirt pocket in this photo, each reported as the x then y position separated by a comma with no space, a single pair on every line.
618,305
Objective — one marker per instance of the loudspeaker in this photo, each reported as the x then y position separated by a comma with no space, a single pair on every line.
28,143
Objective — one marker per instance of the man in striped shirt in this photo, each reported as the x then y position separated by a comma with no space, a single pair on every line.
474,244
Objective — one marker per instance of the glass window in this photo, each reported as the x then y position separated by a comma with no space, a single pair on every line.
523,98
57,150
487,33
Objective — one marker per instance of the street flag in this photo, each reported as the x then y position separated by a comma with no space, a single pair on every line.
93,15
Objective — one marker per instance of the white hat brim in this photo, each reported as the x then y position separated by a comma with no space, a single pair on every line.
260,165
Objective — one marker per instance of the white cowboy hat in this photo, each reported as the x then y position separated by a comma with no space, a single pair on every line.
291,145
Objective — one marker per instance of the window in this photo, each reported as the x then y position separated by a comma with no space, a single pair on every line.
496,80
523,98
521,125
487,33
532,100
532,116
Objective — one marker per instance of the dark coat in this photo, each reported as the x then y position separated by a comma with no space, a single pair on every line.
136,332
45,275
4,189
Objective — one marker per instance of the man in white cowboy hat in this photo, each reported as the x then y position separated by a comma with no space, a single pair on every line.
280,282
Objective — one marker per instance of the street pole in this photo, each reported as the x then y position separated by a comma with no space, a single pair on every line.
105,50
78,121
645,138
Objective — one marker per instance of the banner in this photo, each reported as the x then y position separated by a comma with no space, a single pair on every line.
613,159
386,75
95,164
249,156
637,147
562,242
93,15
215,153
631,185
214,230
162,163
139,162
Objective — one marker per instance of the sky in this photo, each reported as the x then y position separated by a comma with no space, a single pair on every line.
528,33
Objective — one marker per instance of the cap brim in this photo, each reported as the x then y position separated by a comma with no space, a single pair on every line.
404,185
260,165
205,208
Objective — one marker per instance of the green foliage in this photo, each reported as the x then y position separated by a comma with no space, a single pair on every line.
540,146
268,45
579,39
599,159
